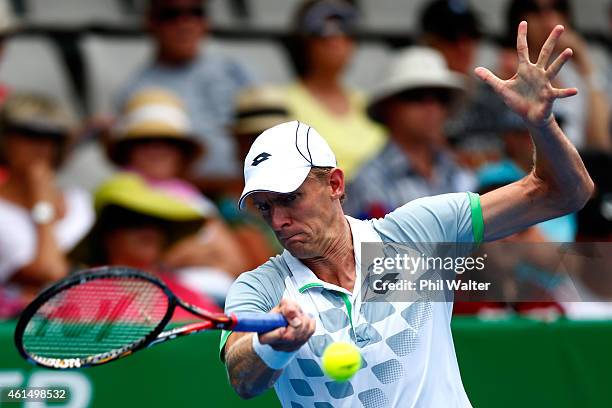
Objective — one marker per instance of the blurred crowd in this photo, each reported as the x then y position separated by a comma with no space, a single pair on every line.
184,123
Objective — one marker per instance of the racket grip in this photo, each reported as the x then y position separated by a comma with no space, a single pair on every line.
259,322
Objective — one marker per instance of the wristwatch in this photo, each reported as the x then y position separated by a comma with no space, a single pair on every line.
42,213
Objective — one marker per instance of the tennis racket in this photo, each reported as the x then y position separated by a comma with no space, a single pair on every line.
102,314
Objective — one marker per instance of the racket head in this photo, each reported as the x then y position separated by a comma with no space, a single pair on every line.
93,317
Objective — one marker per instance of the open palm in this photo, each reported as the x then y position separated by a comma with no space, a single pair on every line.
529,92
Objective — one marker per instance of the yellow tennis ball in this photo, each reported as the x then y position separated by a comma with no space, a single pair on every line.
341,360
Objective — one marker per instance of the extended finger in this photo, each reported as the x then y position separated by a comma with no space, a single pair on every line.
564,92
522,49
558,63
549,46
488,77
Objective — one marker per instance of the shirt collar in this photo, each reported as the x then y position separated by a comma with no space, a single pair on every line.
305,279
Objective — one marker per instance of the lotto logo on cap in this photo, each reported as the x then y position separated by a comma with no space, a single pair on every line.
281,157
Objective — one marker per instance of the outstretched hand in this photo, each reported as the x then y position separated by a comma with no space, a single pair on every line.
530,92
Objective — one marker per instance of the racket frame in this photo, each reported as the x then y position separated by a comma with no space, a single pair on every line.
80,278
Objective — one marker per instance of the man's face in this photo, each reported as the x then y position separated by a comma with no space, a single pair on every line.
331,53
542,22
178,26
302,221
22,151
418,115
138,247
158,160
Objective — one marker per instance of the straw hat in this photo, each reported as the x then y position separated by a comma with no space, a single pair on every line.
258,109
152,114
37,115
415,67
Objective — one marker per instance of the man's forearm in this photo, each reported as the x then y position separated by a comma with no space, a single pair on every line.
248,374
559,167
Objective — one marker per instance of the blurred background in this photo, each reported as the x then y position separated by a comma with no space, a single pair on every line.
124,125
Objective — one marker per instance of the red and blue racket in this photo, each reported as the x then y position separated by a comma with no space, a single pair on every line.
103,314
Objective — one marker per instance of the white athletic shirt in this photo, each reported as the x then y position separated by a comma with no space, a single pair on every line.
18,237
407,348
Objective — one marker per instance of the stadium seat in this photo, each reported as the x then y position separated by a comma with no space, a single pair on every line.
591,16
45,74
75,12
487,55
272,14
370,62
491,14
391,15
265,58
222,16
104,75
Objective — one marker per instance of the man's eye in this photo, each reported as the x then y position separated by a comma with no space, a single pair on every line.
262,207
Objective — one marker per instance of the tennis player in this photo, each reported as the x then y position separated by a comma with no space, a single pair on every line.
409,360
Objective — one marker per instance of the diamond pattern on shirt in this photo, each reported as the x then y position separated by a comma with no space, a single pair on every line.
309,367
334,319
339,390
301,387
373,398
366,335
333,298
417,314
318,343
389,371
404,342
376,311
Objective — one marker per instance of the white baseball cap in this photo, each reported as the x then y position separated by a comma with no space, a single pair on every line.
281,158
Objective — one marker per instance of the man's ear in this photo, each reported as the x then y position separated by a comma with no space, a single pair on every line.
336,182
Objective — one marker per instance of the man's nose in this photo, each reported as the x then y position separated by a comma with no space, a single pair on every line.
279,218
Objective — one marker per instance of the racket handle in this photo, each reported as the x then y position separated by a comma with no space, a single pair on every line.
259,322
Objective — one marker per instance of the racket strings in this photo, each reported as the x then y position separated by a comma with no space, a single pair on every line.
95,317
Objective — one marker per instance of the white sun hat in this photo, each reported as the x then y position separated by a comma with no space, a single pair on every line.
281,158
415,67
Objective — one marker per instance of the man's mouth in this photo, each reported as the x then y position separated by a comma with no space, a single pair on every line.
288,236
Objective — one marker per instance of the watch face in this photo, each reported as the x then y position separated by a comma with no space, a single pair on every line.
43,212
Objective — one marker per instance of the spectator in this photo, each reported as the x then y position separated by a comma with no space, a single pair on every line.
321,53
257,109
8,25
136,223
453,28
586,117
412,102
153,138
206,82
39,221
592,284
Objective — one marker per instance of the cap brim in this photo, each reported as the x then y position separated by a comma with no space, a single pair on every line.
269,180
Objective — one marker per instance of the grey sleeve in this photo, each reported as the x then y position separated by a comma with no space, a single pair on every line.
255,291
454,217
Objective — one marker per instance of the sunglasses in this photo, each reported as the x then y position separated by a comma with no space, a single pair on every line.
169,14
443,96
